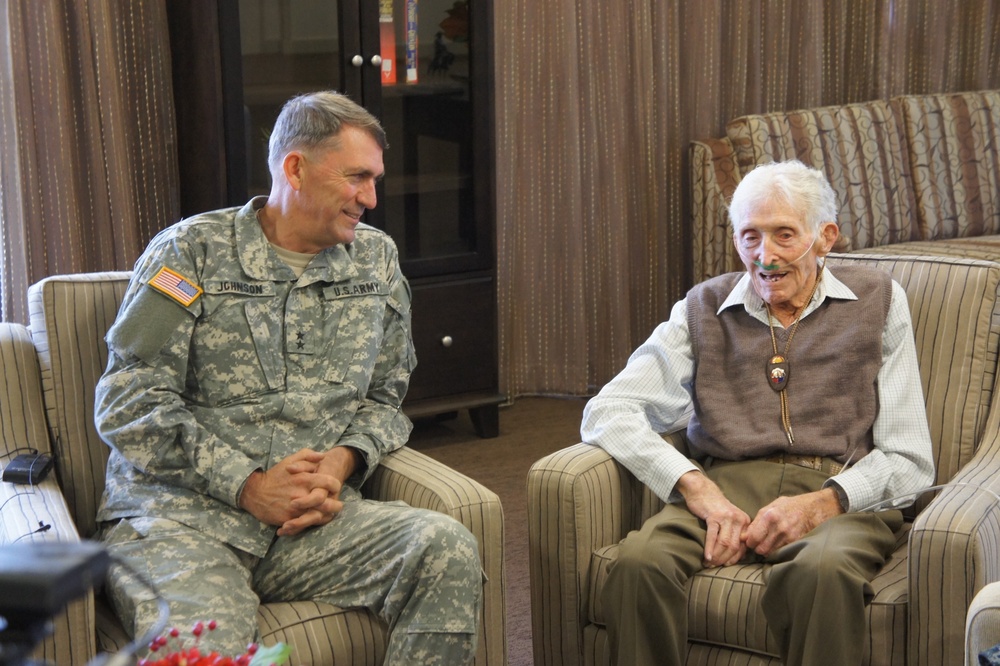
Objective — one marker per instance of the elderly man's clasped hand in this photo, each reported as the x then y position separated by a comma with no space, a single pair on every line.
731,532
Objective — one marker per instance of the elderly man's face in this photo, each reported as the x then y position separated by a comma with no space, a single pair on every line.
780,252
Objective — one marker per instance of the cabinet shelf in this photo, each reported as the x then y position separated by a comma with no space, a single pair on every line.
426,183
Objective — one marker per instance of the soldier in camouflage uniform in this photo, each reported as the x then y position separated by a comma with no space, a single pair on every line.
256,372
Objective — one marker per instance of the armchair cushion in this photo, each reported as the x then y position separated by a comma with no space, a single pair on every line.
69,316
26,509
955,300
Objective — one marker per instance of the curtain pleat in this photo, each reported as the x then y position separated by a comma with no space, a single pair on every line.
597,104
89,168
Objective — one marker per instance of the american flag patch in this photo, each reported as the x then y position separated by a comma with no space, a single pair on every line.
176,286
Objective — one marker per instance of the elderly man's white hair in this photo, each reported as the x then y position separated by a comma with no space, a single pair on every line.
793,183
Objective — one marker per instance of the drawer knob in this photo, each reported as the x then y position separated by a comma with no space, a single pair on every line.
446,341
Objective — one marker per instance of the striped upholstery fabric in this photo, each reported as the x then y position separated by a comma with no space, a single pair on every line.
22,412
954,161
857,146
61,362
581,503
967,315
69,316
23,509
714,177
982,623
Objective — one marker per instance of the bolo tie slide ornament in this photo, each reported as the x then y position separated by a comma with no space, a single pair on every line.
777,373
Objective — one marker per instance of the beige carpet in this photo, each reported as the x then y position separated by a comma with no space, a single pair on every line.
529,429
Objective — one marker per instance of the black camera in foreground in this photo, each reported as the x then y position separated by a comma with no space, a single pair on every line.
37,580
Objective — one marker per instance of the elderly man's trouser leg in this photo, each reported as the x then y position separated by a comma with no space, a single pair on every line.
417,570
645,595
822,581
823,578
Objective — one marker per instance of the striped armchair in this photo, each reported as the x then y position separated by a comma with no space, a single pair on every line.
581,503
47,402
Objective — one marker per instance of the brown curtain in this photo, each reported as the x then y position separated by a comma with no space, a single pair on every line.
597,102
89,169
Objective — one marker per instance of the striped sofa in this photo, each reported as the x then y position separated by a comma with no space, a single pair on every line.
49,371
918,174
581,503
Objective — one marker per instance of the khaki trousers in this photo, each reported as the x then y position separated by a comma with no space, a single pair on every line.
816,588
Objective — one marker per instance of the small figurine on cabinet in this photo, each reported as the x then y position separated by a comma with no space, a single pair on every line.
442,56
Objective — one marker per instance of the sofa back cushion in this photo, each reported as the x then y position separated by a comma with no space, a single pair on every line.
954,161
69,315
714,177
857,147
955,309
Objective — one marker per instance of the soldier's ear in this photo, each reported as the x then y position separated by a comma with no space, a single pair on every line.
293,166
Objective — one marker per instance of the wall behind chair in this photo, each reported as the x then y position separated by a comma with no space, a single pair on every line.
597,104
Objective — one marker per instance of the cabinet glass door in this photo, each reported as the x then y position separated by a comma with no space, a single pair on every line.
427,110
408,62
288,47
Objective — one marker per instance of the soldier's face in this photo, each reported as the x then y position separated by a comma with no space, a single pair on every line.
338,186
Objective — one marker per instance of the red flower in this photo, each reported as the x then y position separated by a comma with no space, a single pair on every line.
254,655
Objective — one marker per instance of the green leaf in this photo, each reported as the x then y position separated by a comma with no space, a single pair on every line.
275,654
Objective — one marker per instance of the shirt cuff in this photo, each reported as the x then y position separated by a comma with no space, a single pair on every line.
845,502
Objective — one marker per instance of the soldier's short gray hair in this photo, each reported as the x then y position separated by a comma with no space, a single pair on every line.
312,119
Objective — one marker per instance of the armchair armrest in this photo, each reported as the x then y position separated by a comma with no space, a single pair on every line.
954,551
35,513
579,500
982,623
421,481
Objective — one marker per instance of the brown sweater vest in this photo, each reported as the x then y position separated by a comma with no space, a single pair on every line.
833,362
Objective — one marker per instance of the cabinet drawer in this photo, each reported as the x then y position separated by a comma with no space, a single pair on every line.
454,331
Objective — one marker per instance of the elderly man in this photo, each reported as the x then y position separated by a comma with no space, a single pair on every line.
255,377
800,389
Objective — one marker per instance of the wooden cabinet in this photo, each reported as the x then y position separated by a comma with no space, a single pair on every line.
438,197
457,365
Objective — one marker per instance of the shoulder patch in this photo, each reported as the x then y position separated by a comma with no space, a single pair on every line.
176,286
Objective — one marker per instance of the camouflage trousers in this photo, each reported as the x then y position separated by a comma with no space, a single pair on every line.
417,570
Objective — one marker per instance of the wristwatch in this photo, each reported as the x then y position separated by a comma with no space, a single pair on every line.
845,503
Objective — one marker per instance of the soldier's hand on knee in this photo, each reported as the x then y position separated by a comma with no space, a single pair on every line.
311,518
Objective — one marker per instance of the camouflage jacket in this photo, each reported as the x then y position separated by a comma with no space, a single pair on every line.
222,362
